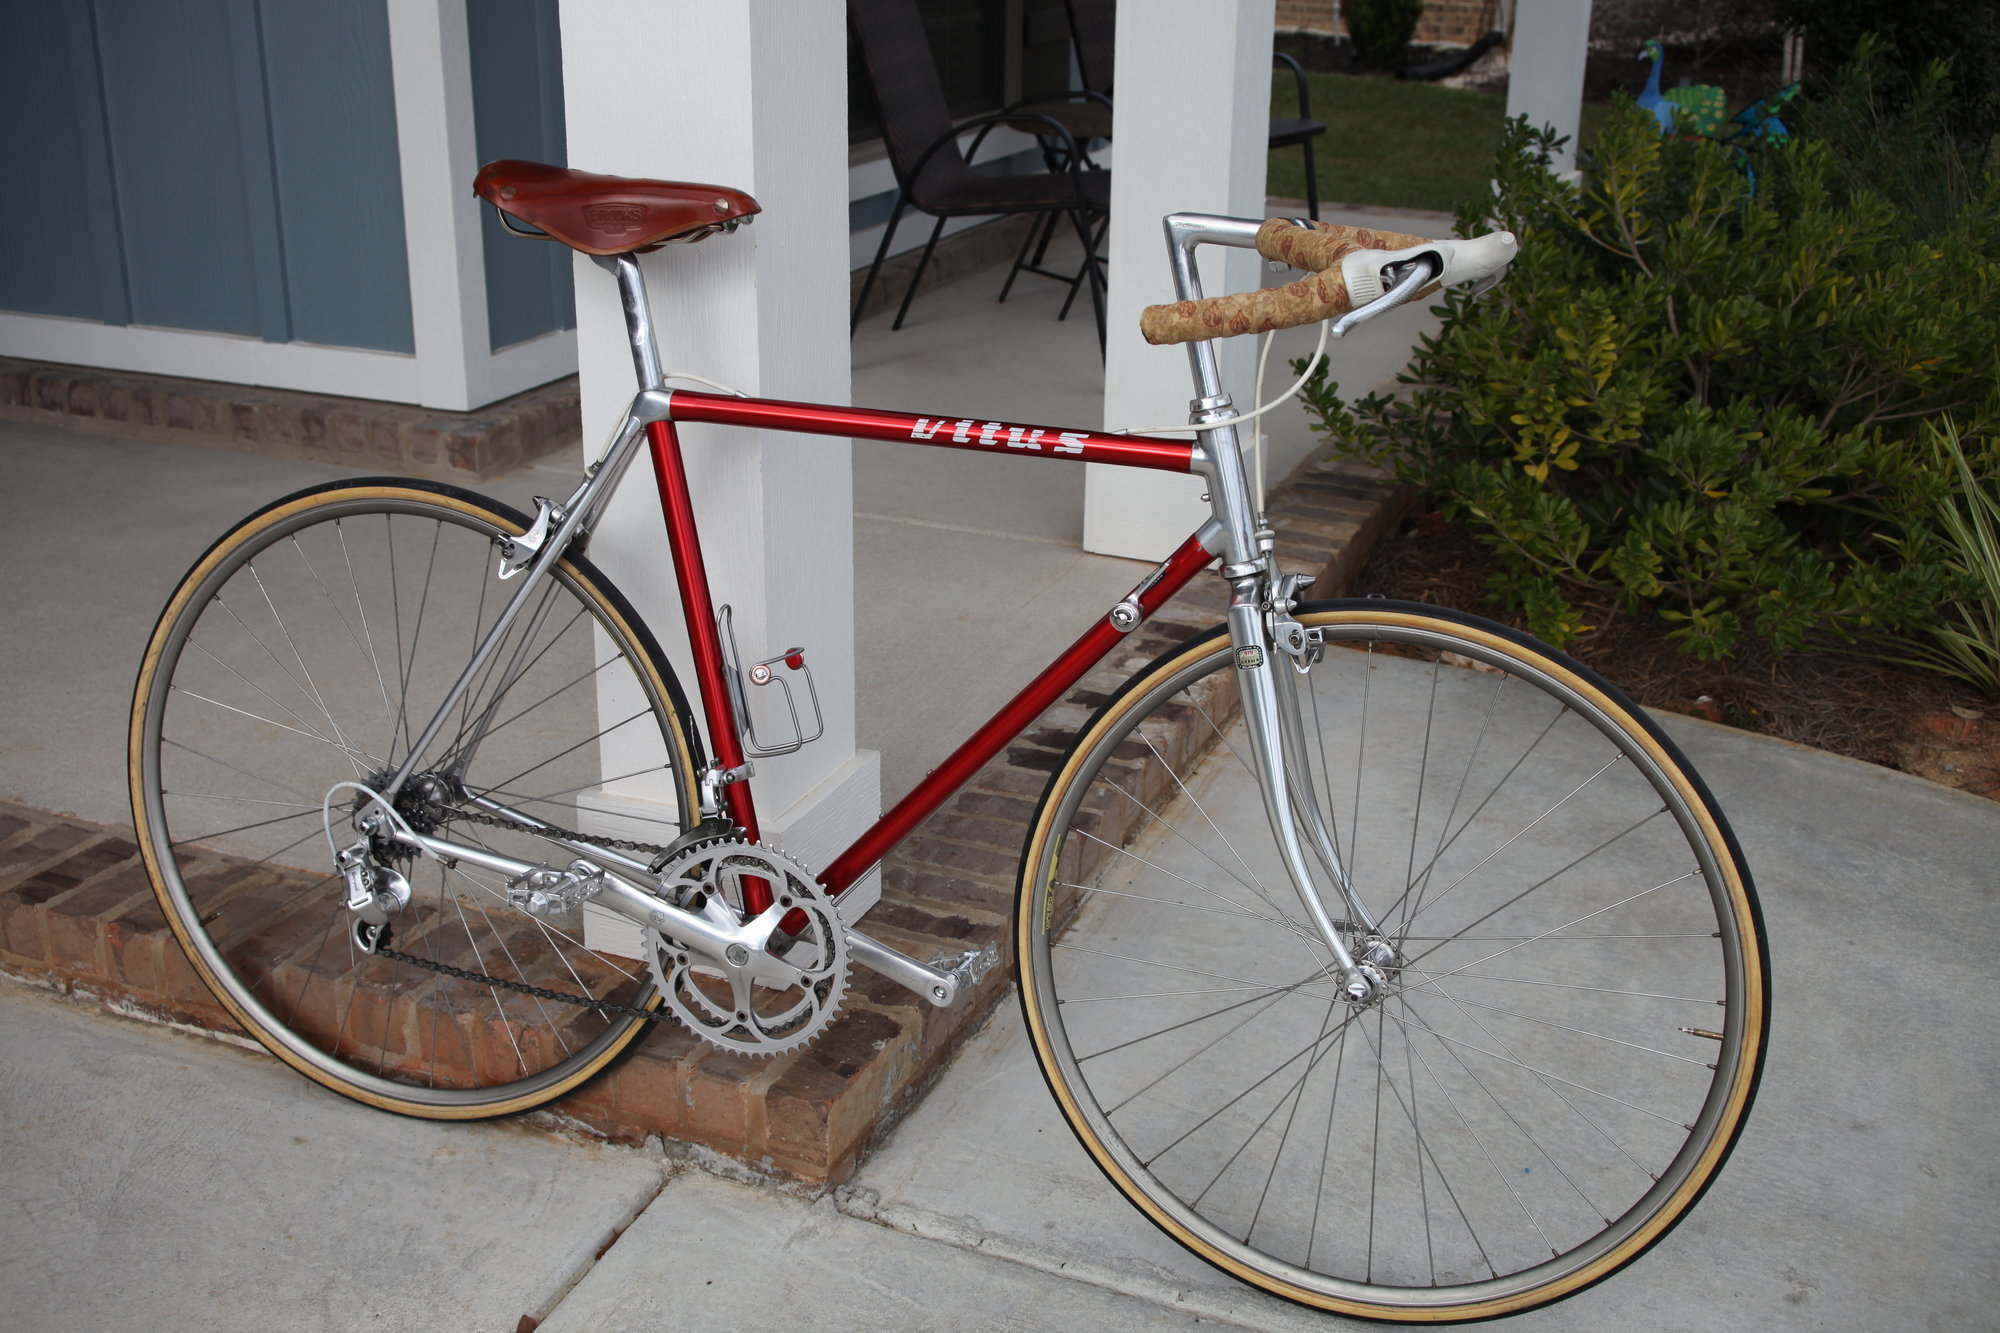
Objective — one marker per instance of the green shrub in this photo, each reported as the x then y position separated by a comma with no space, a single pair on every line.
1380,29
1962,528
1906,38
1893,139
1697,400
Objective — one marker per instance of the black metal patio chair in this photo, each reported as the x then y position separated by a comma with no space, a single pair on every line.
1093,27
934,176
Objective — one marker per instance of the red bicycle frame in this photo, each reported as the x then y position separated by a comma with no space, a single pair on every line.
948,432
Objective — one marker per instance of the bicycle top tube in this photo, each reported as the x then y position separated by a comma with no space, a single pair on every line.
948,432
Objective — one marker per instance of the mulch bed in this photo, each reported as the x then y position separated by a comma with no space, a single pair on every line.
1899,717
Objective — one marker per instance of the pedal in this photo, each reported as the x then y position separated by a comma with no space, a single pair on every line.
940,982
969,968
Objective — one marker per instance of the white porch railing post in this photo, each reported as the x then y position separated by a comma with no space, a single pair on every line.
1545,68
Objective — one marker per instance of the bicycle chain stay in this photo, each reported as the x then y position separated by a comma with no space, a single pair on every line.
443,816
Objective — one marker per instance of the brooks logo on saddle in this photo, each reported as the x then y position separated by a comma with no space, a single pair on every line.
615,217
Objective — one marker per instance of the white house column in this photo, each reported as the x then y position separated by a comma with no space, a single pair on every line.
1551,39
432,66
456,367
751,96
1191,128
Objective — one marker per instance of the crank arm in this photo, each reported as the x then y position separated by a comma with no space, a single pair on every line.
940,986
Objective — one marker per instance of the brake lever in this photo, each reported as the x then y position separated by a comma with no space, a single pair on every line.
1416,274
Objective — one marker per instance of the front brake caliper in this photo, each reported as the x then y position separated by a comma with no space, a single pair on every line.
1304,646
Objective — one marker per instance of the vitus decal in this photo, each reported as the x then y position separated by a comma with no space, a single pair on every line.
995,433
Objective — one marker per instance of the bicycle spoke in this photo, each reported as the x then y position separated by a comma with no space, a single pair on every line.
1547,880
568,750
258,717
313,572
1542,1073
1423,773
1275,992
306,671
1279,921
368,635
1478,1140
1098,891
1615,759
307,727
245,828
1285,1136
1206,819
1553,1090
1472,817
1629,898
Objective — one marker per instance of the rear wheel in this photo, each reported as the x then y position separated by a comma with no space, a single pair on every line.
1574,1011
308,648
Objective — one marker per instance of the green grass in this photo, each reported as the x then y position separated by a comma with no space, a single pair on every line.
1393,144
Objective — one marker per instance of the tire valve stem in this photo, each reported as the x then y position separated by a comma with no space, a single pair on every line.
1702,1032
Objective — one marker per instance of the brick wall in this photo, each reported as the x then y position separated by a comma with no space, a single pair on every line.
420,441
1307,16
1444,22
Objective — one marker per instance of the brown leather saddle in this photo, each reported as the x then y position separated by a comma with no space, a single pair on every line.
609,215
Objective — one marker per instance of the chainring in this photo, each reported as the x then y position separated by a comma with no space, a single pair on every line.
781,993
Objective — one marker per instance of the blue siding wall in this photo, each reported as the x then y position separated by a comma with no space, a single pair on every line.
178,150
218,165
339,176
517,102
48,215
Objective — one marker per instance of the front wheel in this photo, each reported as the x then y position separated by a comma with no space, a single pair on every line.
295,665
1574,1010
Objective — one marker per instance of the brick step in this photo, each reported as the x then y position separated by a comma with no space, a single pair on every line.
387,437
77,912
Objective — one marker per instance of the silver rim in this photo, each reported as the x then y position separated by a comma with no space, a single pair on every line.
305,658
1524,1108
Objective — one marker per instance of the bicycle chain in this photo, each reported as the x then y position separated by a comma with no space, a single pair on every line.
442,816
521,987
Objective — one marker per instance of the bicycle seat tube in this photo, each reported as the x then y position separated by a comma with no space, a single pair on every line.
1247,569
578,512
